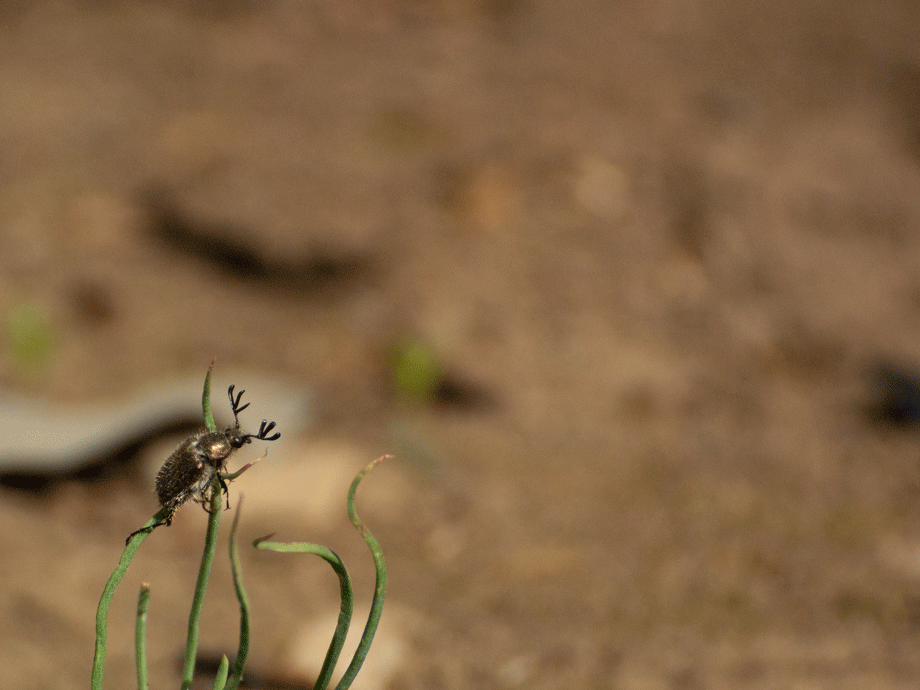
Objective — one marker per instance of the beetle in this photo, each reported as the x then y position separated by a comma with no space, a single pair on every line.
188,472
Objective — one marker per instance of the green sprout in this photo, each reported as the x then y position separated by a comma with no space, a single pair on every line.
227,678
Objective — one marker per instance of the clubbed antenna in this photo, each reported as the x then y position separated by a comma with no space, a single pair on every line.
264,429
235,403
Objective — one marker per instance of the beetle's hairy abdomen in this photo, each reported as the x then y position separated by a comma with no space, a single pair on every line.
181,471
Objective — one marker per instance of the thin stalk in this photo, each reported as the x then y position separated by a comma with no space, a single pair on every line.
206,400
102,613
345,593
347,597
204,573
235,567
140,636
380,589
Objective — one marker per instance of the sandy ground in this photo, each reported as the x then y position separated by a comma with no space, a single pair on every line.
655,246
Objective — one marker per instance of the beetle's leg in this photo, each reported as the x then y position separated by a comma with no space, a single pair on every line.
165,521
225,489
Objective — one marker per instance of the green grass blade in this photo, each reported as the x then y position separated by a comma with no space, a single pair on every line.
347,596
206,400
102,613
380,589
241,596
140,636
345,591
204,574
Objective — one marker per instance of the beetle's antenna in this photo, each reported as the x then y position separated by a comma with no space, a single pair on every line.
235,404
264,429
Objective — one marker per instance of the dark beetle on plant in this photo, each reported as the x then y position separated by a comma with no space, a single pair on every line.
189,472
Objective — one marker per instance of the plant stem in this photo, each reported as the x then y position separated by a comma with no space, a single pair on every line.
102,613
380,589
241,596
204,573
345,613
140,634
345,590
206,400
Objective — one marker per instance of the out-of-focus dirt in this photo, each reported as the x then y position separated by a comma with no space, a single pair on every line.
658,245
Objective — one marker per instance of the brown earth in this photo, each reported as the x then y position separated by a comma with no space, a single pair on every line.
655,245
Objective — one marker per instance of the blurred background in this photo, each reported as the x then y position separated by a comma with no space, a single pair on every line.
611,279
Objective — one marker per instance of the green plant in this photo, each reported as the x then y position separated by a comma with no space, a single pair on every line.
227,678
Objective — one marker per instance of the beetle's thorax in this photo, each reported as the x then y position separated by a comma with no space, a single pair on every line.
215,446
